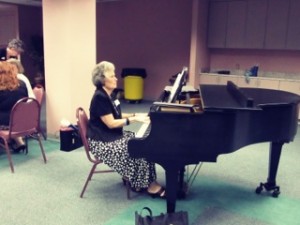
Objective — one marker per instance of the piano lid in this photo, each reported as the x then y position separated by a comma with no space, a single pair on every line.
231,96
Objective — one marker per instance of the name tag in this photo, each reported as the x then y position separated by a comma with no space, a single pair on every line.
117,102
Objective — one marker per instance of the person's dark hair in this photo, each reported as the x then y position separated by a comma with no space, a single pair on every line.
16,44
98,73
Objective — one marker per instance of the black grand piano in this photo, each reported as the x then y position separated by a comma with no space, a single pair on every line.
230,118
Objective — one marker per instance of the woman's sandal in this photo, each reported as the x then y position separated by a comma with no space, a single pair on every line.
161,193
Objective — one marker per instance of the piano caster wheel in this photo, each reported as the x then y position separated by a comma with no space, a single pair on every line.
259,188
276,193
268,187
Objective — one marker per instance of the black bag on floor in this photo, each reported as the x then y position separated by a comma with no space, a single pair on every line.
176,218
70,138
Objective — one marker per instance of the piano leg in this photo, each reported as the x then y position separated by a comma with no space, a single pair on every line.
172,187
181,193
274,158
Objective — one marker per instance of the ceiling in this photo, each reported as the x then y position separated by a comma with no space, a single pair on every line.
39,2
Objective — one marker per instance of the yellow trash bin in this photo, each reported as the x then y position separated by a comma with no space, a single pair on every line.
134,83
133,88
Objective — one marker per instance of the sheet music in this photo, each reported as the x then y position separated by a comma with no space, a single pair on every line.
175,86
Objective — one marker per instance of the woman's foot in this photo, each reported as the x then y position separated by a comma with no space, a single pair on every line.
19,148
19,145
161,193
156,190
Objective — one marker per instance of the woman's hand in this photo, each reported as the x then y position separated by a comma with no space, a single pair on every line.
140,117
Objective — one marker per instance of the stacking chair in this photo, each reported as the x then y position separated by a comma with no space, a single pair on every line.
39,93
82,121
24,121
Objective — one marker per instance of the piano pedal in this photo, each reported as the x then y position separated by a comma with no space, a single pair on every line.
270,187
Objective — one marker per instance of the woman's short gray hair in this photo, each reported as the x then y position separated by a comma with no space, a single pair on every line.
98,73
16,44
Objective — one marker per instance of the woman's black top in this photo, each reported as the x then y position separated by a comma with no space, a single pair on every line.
2,54
102,104
8,99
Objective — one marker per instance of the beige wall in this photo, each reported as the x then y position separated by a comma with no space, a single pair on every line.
152,34
70,48
70,55
199,53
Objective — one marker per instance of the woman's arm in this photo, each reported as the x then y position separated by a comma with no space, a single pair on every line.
111,122
127,118
23,78
127,115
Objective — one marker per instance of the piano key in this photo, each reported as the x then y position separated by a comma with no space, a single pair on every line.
143,131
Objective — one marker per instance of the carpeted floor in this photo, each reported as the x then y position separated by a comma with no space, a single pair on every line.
223,192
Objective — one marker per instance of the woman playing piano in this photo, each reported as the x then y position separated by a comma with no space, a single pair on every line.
108,140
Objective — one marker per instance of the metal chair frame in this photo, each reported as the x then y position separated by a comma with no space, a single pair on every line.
82,121
24,121
39,93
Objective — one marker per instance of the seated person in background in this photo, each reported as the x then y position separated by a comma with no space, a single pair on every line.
13,50
11,90
20,75
107,139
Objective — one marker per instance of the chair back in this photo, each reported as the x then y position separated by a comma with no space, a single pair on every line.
24,117
39,92
82,122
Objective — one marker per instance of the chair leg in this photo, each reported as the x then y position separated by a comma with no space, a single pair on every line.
128,187
8,156
26,144
88,179
42,148
44,135
128,190
93,170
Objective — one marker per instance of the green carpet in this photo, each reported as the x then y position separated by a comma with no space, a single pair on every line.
222,194
35,152
237,200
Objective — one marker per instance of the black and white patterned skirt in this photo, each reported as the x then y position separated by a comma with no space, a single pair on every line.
139,172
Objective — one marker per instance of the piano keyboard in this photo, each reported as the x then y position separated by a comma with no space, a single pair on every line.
144,130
